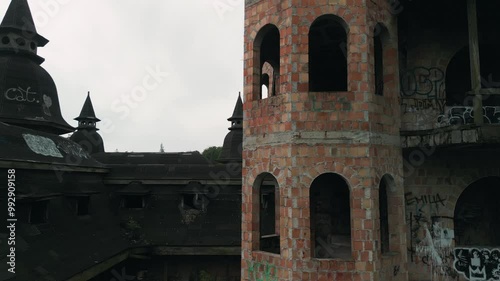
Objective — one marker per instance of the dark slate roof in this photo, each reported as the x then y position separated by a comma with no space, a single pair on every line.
88,139
238,110
232,147
18,17
26,145
151,158
161,166
87,112
29,96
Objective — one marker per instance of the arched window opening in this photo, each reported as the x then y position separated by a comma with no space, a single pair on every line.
265,86
269,215
384,214
477,214
379,37
328,55
458,77
330,217
268,80
267,57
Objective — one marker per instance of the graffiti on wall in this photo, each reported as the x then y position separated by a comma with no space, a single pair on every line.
435,249
423,88
413,105
262,272
458,115
423,82
26,95
422,200
430,236
477,264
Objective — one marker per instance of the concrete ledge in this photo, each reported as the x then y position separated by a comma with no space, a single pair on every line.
452,135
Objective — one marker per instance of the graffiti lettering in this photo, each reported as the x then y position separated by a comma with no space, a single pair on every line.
21,95
423,199
412,105
269,272
425,82
458,115
477,264
396,270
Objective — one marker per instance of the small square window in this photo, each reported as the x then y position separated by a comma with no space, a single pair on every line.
133,201
193,201
39,212
82,205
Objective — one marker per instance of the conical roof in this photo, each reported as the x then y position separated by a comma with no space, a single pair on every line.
18,17
87,112
238,110
232,147
29,95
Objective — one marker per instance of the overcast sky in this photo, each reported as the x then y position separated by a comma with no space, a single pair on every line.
159,71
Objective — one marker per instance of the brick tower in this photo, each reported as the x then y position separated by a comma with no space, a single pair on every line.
322,171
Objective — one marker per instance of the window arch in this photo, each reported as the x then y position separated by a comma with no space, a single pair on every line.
330,217
267,58
380,35
477,219
383,198
458,77
267,188
328,54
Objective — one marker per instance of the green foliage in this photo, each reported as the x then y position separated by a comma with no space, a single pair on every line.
212,153
205,276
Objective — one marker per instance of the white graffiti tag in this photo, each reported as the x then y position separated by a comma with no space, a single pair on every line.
21,95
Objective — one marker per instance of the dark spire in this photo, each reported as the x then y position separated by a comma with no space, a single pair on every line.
87,113
237,117
232,147
18,32
86,134
238,109
18,16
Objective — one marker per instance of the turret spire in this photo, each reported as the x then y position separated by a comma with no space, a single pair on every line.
237,117
87,116
86,134
232,147
18,32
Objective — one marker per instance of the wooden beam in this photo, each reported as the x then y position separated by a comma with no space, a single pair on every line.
100,267
196,251
486,91
474,61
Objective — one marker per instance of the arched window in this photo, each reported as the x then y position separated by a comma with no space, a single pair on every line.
269,215
477,214
379,38
267,58
330,217
458,77
328,54
384,213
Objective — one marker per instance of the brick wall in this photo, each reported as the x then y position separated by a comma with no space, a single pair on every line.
298,136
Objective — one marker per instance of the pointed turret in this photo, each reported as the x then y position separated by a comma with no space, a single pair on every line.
237,117
86,134
87,115
28,95
231,150
18,32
